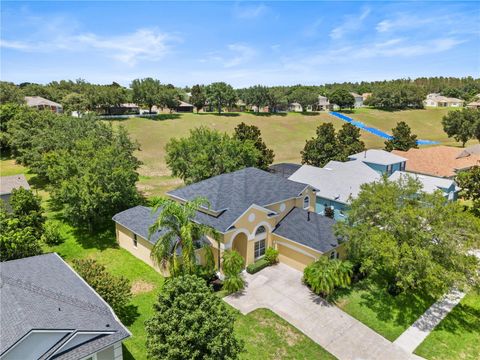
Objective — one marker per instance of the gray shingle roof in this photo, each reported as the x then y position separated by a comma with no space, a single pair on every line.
138,220
284,169
43,292
316,233
8,183
233,193
378,156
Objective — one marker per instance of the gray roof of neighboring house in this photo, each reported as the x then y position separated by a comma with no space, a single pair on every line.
429,183
316,232
284,169
40,101
138,220
8,183
377,156
233,193
471,150
337,180
44,293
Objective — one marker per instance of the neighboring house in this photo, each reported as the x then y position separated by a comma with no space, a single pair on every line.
437,100
381,161
41,103
324,103
252,210
441,161
430,184
365,96
337,183
184,107
358,100
284,169
296,107
9,183
474,105
50,312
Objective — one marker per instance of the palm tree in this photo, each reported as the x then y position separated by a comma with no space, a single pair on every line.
176,245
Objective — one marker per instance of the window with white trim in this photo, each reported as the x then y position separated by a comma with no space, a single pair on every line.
135,242
306,202
259,248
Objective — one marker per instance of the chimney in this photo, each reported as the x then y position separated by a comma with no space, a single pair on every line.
365,154
308,215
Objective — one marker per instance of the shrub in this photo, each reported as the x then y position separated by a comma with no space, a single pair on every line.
271,256
324,275
257,266
115,290
27,208
191,322
232,267
51,234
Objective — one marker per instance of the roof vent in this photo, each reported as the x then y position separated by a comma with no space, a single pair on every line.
308,215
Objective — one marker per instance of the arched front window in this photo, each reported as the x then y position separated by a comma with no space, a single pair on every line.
260,230
306,202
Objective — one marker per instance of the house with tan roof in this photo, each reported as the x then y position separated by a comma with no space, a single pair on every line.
358,100
437,100
41,103
441,161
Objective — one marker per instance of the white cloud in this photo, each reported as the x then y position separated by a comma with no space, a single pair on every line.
349,24
249,11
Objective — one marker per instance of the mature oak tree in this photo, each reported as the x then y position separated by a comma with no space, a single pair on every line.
244,132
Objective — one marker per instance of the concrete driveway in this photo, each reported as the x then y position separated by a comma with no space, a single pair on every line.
280,289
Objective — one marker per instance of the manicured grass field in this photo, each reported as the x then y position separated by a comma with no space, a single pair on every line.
285,134
387,315
266,335
458,335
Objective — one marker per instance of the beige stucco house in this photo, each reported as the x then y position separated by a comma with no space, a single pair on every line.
252,210
437,100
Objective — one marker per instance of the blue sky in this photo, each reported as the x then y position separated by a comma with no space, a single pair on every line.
243,43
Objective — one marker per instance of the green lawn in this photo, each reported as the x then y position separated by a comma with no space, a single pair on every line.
458,335
266,335
387,315
285,134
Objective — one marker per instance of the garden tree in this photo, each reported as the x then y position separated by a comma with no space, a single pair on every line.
169,98
453,92
402,138
191,322
10,93
469,182
318,151
257,96
397,96
7,112
17,240
342,98
305,97
244,132
206,153
324,275
277,99
27,208
52,234
104,97
146,92
233,264
462,125
220,95
75,102
408,240
198,97
180,237
349,141
115,290
95,178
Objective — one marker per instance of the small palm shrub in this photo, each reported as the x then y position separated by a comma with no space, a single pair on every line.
325,275
271,255
232,267
51,234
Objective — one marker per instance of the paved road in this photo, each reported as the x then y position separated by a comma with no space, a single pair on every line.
280,289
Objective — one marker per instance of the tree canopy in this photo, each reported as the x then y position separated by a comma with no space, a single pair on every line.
469,182
342,98
221,95
199,97
402,138
244,132
397,96
462,125
191,322
206,153
409,240
305,96
328,145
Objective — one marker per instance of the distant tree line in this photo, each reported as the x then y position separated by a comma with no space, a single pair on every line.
82,96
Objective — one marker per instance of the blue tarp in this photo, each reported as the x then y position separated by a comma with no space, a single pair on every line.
374,131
